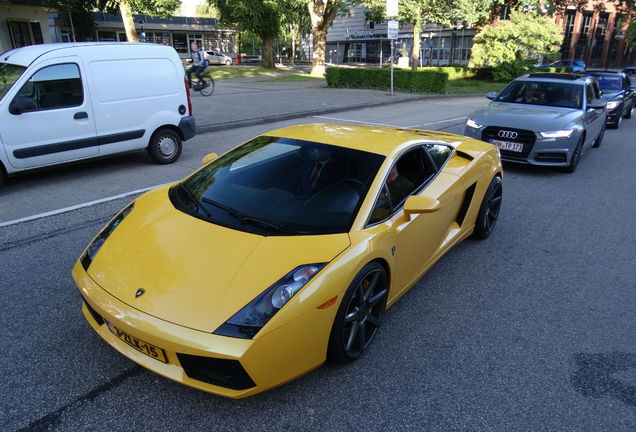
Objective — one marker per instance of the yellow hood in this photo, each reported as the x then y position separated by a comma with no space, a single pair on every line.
195,273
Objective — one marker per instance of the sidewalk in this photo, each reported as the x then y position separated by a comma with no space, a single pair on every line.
248,101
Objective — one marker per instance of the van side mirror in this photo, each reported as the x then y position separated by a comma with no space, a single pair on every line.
416,204
209,158
21,104
491,95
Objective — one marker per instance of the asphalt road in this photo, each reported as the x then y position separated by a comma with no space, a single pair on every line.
533,329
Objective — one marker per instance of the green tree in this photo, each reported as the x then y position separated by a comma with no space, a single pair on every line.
511,45
259,17
296,22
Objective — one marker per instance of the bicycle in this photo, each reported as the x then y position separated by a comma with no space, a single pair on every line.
204,86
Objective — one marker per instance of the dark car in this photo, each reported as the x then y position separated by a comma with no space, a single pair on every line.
631,73
576,65
618,92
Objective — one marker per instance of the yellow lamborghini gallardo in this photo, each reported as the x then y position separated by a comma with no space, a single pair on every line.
283,252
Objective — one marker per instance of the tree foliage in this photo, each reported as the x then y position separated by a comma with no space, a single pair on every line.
512,44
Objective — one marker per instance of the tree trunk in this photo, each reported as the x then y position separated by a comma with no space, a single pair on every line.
322,14
129,21
415,49
268,53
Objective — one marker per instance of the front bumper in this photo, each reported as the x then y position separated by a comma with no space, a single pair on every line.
613,116
554,152
225,366
188,127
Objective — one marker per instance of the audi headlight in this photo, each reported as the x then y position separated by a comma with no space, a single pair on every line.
612,105
96,244
473,124
566,133
249,320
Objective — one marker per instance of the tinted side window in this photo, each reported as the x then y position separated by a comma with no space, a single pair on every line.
589,93
58,86
439,153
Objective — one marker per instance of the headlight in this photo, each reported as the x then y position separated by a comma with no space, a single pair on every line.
567,133
249,320
473,124
91,250
611,105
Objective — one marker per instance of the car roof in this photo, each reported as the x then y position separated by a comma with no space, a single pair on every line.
555,77
382,140
24,56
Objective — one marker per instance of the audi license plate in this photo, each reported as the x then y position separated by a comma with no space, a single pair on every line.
143,347
507,145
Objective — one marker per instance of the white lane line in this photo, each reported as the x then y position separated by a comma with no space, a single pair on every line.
78,206
355,121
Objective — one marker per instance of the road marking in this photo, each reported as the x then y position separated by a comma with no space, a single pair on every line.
394,126
76,207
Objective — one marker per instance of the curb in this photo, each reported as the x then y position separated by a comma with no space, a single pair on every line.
290,116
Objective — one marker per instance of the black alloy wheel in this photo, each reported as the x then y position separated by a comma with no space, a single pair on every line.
628,114
359,315
599,138
619,118
489,210
576,156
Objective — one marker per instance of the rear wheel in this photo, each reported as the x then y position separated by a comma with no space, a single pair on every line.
359,315
208,87
599,138
228,62
489,210
165,146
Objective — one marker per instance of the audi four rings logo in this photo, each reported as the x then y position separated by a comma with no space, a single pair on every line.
508,134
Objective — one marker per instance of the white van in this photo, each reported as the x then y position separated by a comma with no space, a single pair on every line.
65,102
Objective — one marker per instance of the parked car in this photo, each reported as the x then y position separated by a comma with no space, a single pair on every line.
576,65
543,119
283,252
65,102
619,94
218,58
631,73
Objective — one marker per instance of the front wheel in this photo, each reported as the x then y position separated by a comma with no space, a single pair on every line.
207,86
599,138
628,114
489,210
576,156
165,146
359,315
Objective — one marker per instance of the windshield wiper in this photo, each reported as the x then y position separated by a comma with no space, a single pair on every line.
242,217
194,200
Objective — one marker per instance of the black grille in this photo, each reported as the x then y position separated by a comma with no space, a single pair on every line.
97,317
220,372
551,157
526,137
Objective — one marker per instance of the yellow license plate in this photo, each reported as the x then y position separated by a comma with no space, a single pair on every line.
143,347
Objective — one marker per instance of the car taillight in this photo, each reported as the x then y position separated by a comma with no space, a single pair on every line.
185,80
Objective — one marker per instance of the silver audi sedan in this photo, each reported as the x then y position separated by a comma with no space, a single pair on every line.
542,119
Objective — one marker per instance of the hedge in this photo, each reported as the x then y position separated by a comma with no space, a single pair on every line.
425,81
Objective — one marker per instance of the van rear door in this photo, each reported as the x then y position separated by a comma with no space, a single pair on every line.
49,118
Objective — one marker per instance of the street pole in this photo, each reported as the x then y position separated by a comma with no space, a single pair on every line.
392,42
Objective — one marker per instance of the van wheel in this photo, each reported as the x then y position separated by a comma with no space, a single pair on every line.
165,146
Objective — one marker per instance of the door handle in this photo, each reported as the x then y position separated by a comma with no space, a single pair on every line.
80,115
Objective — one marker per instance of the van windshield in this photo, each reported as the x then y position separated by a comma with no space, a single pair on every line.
9,74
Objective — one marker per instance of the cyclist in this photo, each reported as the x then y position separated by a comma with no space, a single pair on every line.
198,61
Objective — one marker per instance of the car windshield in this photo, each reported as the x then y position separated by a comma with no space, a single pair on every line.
554,94
279,186
609,83
9,74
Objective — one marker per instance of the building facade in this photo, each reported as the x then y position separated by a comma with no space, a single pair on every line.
23,22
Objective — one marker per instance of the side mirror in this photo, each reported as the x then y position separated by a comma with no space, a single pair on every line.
491,95
209,158
421,204
597,104
21,104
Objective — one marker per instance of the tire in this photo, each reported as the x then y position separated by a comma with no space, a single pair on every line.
165,146
228,63
3,176
489,210
618,121
359,315
576,156
599,138
209,88
629,113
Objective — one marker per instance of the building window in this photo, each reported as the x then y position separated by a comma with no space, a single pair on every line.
25,33
180,43
65,35
106,36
